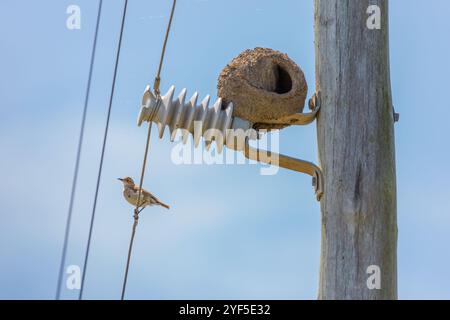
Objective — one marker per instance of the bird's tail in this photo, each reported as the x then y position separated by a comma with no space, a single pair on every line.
163,205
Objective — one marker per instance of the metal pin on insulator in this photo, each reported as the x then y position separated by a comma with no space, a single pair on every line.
212,123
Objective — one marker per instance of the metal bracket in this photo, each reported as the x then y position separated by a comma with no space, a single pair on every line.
395,115
300,119
287,162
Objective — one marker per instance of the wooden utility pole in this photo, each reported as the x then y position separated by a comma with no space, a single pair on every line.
356,151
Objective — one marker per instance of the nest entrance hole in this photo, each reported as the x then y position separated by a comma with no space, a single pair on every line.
283,80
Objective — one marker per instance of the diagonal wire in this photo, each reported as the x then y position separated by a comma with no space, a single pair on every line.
77,161
155,110
136,215
103,150
136,210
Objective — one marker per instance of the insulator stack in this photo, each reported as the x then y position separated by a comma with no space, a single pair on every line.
198,119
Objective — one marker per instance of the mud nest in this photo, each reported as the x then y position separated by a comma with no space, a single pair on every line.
263,85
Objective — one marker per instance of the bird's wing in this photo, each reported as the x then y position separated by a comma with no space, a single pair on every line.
149,198
143,195
155,200
148,195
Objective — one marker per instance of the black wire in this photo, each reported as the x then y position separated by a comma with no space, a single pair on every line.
103,150
77,161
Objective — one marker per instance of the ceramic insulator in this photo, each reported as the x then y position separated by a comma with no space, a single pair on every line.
196,119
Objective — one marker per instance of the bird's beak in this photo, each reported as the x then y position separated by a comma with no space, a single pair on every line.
120,179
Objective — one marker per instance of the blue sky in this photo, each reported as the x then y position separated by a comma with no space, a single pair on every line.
231,233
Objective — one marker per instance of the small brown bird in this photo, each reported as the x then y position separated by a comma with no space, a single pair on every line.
131,193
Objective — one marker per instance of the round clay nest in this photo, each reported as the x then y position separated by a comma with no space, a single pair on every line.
263,84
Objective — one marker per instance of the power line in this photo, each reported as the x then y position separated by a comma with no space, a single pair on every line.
155,110
136,210
103,150
77,161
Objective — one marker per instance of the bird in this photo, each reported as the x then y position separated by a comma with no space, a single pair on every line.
131,193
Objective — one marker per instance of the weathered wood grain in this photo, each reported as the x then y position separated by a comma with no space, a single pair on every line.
356,151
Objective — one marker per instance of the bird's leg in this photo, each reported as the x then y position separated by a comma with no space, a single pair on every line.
136,214
142,208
